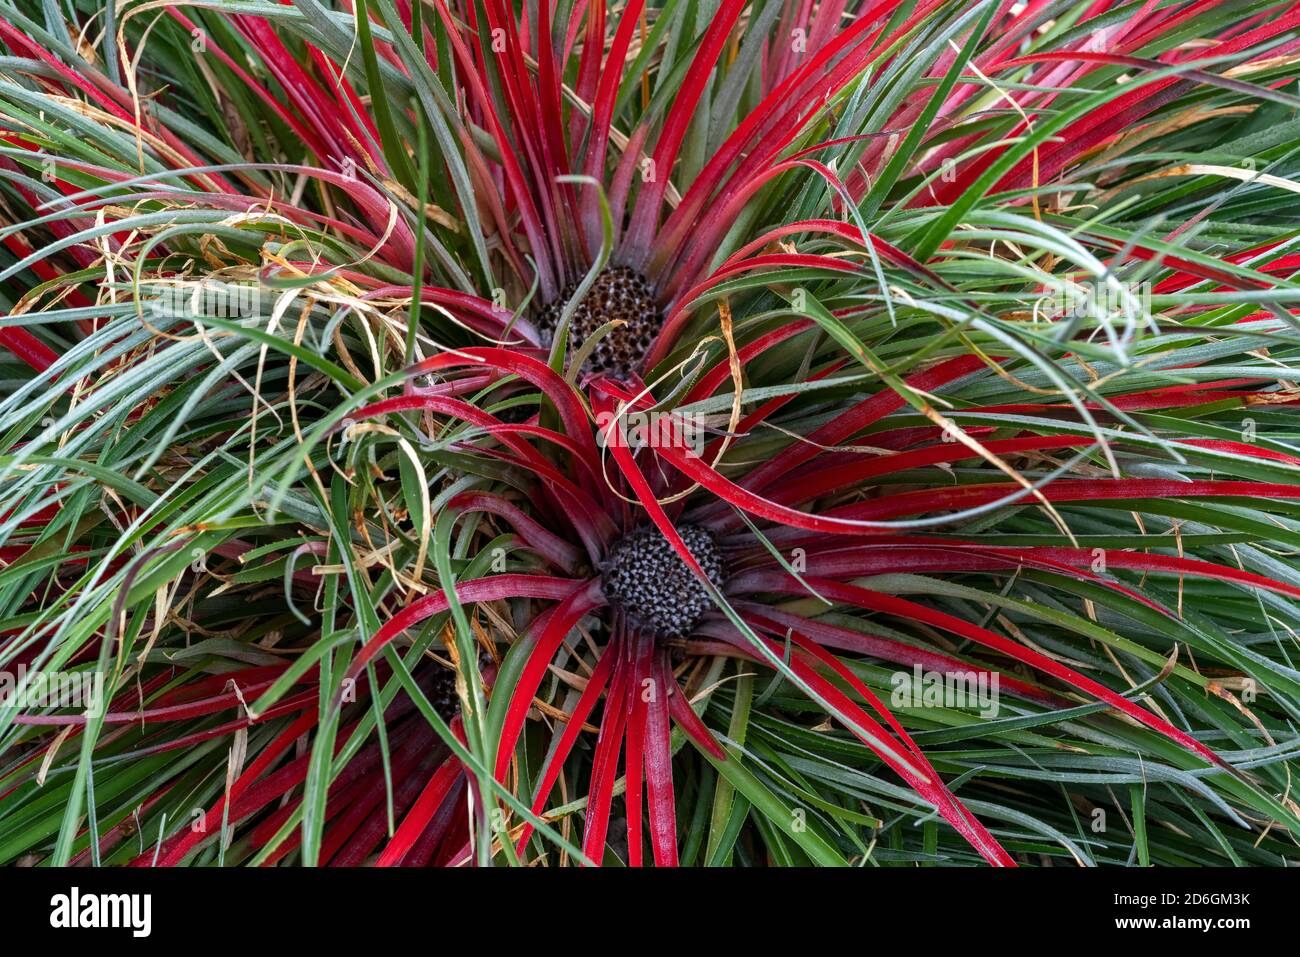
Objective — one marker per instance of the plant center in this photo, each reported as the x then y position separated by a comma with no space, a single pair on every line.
619,292
646,577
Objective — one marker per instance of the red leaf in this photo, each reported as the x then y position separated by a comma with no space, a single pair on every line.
561,620
901,607
596,683
600,791
659,764
480,589
420,813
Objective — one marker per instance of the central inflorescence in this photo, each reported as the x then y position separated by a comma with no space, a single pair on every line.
619,292
646,578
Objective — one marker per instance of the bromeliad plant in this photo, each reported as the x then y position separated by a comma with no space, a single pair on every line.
725,368
651,585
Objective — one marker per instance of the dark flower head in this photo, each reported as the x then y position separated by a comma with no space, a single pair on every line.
618,295
645,578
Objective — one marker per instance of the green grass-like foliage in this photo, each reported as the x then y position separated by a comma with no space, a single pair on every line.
988,315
